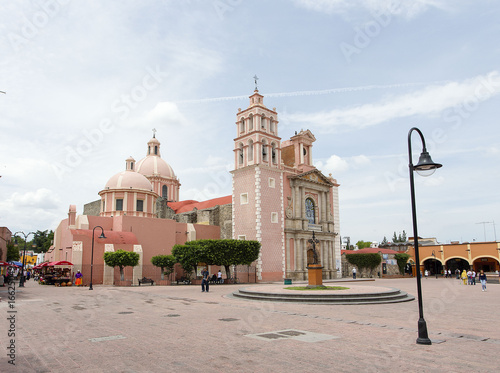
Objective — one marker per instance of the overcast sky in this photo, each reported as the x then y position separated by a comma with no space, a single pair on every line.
86,83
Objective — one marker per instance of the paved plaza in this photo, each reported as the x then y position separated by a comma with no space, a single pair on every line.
181,329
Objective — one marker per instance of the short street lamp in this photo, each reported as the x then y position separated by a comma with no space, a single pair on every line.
92,255
425,167
435,263
21,280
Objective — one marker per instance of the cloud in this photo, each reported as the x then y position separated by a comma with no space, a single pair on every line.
403,9
430,101
41,198
336,164
166,113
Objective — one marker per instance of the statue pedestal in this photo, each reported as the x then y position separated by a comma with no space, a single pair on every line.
315,276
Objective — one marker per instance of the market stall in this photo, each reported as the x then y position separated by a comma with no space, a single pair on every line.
56,273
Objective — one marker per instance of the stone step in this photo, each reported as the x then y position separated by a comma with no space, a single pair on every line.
392,296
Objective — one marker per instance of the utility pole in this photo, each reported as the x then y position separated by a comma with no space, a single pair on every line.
484,228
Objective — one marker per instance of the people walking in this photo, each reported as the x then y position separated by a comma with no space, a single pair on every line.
473,277
205,280
219,277
354,273
464,276
482,279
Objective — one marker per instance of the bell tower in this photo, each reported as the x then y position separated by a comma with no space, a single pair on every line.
258,207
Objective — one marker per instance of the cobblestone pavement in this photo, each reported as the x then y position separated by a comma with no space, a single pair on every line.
179,328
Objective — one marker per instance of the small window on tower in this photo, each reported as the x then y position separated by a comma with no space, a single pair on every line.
156,150
243,198
272,182
274,217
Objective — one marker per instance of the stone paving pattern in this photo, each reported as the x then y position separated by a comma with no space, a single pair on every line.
179,328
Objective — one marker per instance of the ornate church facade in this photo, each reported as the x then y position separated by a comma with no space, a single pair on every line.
278,198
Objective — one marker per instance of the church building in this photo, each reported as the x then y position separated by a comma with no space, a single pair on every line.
278,198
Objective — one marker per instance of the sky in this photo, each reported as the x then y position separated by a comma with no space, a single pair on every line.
86,82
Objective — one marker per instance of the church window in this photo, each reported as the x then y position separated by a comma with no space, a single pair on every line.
274,217
273,153
149,150
272,182
119,204
164,191
156,150
250,150
132,166
243,198
250,122
103,205
271,125
242,125
264,151
241,154
140,205
310,211
263,122
304,151
242,237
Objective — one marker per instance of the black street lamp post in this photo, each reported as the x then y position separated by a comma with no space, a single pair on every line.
22,280
425,167
92,255
435,263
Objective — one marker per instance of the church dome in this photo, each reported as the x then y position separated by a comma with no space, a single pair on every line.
128,180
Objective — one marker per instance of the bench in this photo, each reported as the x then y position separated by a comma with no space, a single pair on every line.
184,280
145,280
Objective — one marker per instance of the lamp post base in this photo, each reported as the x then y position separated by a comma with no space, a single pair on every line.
423,338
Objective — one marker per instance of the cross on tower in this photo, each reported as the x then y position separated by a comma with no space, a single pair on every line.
255,78
154,132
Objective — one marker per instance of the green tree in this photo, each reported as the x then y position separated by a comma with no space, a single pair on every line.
395,238
12,252
370,261
121,259
363,244
402,259
188,255
384,242
219,252
165,262
403,237
42,241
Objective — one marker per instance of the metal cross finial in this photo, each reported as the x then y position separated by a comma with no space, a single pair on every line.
154,132
255,78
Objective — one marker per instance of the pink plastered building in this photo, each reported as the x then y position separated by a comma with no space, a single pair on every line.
279,198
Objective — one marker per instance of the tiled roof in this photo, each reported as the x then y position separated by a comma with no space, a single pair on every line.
370,250
190,205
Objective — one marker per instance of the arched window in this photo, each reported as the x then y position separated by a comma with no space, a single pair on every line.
241,153
274,158
310,211
149,150
164,191
264,150
250,150
242,125
156,149
263,122
250,122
